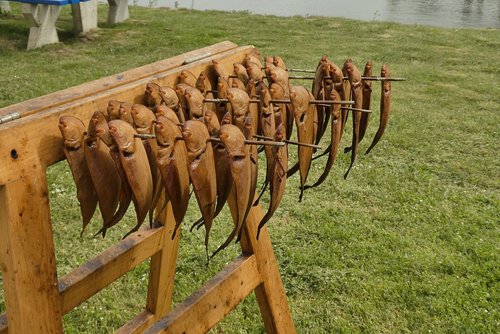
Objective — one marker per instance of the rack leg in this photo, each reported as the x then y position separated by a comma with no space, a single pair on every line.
27,257
270,293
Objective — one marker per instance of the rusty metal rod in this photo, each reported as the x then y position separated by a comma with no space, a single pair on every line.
253,142
356,109
320,102
290,142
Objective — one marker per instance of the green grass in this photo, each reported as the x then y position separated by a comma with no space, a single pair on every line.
408,243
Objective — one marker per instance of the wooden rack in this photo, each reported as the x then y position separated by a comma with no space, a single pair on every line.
36,299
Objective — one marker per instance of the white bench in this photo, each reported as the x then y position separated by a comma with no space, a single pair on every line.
42,16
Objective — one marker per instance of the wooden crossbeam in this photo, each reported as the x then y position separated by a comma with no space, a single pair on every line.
95,87
104,269
207,306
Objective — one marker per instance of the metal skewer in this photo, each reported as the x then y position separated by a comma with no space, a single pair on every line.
290,142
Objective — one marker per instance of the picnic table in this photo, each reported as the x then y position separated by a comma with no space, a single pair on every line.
42,16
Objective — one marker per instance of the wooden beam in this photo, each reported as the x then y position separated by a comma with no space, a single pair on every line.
27,255
94,87
88,279
207,306
271,293
36,139
138,324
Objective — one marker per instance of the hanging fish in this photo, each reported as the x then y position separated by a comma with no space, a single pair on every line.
241,72
279,168
222,167
318,93
336,132
172,161
239,101
222,90
306,131
143,120
73,130
201,170
385,107
241,173
194,99
278,61
135,163
268,126
357,95
105,177
366,104
102,132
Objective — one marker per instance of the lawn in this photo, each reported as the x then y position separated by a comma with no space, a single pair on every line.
409,243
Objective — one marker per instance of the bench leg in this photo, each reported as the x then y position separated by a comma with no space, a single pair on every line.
118,11
84,16
42,19
4,7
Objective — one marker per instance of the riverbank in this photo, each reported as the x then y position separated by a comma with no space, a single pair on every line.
408,243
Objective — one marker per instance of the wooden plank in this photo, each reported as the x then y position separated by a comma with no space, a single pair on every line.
27,255
138,324
271,293
36,139
161,278
162,269
207,306
94,87
114,262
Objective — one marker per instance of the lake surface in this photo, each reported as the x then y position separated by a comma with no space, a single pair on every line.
442,13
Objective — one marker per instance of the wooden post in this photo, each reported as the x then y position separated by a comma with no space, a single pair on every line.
27,256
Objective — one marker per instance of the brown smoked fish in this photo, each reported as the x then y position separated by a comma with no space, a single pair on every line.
241,173
104,174
385,107
136,166
201,170
72,130
171,159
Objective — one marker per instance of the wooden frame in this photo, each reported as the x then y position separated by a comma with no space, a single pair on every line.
36,299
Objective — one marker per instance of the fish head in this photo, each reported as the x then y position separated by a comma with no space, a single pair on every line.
233,140
72,130
167,112
101,128
166,131
123,135
143,117
212,122
125,110
195,135
113,109
278,61
299,96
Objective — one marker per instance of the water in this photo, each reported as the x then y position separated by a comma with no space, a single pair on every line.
441,13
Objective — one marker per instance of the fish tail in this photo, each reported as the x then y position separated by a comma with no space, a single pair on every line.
226,243
197,224
264,187
292,170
